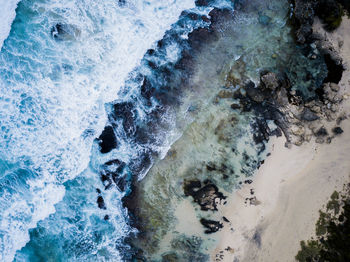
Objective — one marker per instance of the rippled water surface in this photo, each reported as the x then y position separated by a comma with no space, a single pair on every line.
93,94
52,107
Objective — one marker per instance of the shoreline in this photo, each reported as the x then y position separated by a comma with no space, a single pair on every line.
290,187
180,206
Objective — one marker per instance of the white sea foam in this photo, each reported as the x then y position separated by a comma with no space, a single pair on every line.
52,93
7,15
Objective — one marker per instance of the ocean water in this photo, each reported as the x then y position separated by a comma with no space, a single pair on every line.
64,66
92,96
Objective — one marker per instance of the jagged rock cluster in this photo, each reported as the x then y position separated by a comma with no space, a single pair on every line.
299,119
304,12
274,98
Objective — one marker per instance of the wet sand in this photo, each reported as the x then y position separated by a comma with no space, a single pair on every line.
290,187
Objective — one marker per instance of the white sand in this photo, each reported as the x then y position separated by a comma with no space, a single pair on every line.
291,187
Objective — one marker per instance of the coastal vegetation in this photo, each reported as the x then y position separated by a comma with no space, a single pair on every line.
332,232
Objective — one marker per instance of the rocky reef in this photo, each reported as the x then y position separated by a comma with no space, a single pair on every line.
254,74
304,12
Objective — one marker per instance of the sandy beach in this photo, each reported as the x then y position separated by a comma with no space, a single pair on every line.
269,217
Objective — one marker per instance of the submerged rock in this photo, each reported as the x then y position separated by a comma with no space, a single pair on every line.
171,257
126,112
66,32
264,20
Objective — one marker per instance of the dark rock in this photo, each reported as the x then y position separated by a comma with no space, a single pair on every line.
114,171
205,196
346,5
211,167
248,181
62,32
107,140
142,164
276,132
295,99
270,81
330,13
126,112
186,61
121,182
202,2
205,19
194,16
150,51
335,69
235,106
245,156
207,181
152,65
225,219
106,180
147,90
253,93
211,225
337,130
261,132
308,115
197,37
106,217
189,186
303,18
118,176
101,203
121,2
321,132
160,43
217,15
113,162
